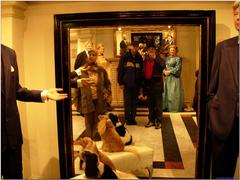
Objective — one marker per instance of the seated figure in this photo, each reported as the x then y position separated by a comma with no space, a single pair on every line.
97,165
124,134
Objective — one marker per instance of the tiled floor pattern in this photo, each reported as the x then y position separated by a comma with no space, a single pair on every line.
174,144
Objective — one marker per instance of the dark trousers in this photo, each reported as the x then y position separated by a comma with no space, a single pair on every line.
11,163
91,124
154,104
130,100
225,153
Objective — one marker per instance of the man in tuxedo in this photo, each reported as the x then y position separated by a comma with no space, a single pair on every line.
82,56
123,45
223,106
80,61
11,134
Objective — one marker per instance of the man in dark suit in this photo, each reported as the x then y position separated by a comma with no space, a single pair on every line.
123,45
11,134
223,106
82,56
80,61
130,80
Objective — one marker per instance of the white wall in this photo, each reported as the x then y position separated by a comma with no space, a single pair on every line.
36,57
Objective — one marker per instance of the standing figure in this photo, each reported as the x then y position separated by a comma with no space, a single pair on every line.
82,56
173,98
153,67
223,106
103,62
11,132
123,45
130,79
95,88
80,61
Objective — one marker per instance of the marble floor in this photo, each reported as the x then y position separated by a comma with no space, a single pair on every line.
174,144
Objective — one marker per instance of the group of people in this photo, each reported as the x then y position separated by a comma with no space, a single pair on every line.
150,77
223,104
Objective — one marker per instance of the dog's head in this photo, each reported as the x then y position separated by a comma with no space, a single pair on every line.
90,159
114,118
121,130
104,124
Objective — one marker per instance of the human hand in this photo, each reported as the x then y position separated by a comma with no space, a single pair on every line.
105,96
166,72
54,95
82,69
86,81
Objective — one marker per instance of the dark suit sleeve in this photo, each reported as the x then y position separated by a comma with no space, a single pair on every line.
122,45
77,62
24,94
107,83
73,83
120,70
81,60
73,74
214,72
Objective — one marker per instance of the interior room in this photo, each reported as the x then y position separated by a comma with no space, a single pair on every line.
47,38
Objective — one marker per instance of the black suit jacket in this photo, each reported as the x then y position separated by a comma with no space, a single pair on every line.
11,91
81,59
73,79
123,45
156,82
224,88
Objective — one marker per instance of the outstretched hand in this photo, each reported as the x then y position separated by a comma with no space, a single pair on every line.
54,95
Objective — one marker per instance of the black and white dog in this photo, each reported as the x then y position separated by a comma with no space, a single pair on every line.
121,130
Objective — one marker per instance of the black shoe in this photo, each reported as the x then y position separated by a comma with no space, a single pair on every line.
96,137
131,123
149,124
158,125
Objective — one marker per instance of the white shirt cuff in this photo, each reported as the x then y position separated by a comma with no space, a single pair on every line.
79,83
44,95
78,71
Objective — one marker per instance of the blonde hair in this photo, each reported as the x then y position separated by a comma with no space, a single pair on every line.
235,5
172,46
99,45
88,42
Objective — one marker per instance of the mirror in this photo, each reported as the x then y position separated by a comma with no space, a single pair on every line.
180,150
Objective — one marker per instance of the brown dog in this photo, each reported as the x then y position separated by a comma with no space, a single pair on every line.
110,138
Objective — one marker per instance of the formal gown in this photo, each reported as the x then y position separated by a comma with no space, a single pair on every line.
173,96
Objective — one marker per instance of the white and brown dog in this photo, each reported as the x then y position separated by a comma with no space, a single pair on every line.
97,165
121,130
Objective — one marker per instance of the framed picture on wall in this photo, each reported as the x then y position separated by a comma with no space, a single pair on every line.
147,38
161,39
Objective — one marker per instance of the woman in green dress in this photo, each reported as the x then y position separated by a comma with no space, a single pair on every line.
173,96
